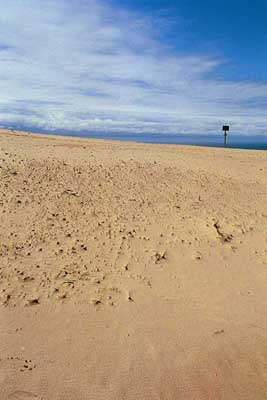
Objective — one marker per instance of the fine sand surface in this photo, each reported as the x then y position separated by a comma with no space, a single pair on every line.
131,271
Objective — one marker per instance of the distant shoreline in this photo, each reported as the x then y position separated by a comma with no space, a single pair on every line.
244,142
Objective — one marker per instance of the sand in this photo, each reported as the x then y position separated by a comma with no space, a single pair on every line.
131,271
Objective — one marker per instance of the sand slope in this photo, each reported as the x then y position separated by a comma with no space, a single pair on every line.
131,271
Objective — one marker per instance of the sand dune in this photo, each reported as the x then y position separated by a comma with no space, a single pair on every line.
131,271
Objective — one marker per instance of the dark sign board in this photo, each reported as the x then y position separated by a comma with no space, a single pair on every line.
225,128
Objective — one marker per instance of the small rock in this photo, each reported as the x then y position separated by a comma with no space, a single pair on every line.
96,302
32,302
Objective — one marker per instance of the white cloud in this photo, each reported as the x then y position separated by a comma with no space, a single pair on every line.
86,65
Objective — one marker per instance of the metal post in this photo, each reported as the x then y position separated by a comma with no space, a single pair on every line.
225,138
226,129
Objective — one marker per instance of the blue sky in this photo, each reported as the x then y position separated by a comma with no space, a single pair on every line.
232,29
134,66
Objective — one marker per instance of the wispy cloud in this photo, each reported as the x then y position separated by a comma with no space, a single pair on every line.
87,65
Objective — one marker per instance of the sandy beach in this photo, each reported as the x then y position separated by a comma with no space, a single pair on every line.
131,271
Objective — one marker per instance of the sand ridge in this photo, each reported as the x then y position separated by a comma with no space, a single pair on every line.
150,258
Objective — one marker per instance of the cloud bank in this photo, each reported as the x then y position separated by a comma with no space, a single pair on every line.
90,66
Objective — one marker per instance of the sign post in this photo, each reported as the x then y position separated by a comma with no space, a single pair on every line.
226,129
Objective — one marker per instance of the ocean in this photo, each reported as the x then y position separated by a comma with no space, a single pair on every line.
234,141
